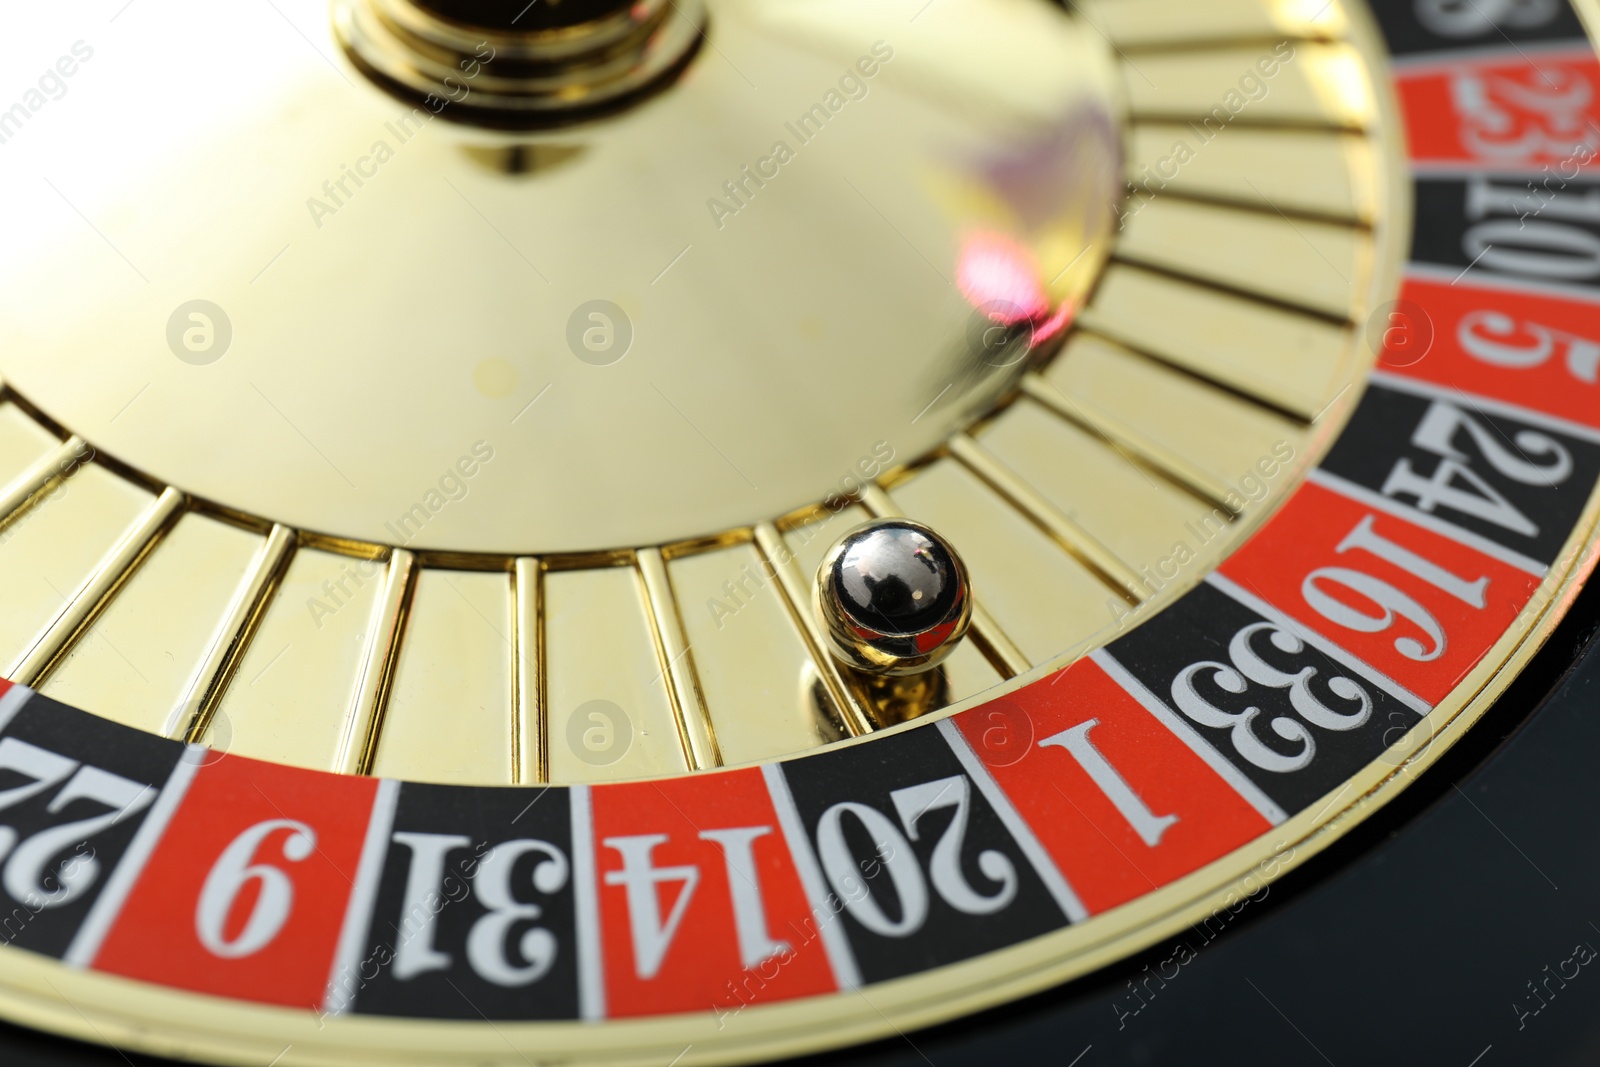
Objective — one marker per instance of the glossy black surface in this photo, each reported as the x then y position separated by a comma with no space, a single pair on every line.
895,579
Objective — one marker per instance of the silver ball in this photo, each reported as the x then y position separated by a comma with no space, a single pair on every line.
893,597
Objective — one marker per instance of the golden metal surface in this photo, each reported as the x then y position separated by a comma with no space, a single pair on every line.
23,442
449,716
531,739
677,663
137,663
1317,172
1221,434
989,128
1117,416
1120,402
811,540
1304,263
292,690
1276,81
1292,361
1003,658
609,709
49,549
359,738
192,714
1060,526
795,585
753,664
1134,514
1044,599
565,72
1132,443
96,591
1132,24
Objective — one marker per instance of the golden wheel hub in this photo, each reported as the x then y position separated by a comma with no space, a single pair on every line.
452,534
650,280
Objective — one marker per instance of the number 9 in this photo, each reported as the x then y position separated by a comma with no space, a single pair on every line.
233,871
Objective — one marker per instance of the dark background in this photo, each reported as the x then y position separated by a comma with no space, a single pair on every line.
1410,941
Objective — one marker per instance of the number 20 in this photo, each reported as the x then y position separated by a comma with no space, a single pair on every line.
897,857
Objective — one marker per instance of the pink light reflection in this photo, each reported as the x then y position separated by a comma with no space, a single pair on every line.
1000,278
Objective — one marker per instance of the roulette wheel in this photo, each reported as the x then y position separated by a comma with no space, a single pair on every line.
705,531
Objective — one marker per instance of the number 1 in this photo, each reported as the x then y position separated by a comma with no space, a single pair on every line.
1146,823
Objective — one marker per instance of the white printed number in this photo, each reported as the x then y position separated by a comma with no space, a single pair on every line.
27,863
239,867
1247,667
644,883
1538,459
497,881
487,943
1146,823
1493,337
1550,237
1506,119
1474,18
1392,604
895,855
